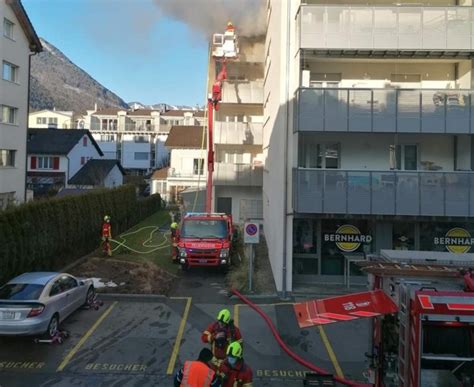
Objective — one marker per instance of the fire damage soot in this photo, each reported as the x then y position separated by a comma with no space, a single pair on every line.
348,238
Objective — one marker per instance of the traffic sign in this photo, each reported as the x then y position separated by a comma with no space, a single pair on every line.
251,232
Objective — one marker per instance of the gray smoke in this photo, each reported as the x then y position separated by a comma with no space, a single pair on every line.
211,16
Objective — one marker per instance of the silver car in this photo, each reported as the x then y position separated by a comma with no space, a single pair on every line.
36,303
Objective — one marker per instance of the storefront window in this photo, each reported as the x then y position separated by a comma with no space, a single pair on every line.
403,236
448,237
341,238
305,261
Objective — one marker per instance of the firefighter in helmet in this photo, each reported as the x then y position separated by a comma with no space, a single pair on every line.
220,334
106,236
234,372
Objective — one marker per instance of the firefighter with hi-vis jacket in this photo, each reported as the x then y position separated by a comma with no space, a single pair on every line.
106,236
220,334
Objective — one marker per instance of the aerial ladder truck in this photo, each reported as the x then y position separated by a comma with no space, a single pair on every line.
204,239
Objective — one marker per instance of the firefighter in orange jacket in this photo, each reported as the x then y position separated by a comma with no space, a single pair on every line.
197,373
220,334
234,371
106,236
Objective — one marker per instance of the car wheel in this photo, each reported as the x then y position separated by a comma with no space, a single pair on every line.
90,296
53,327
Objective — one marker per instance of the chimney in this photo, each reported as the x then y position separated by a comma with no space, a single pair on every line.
95,107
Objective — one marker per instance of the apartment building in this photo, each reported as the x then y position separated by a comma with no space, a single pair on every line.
43,119
368,134
136,137
238,128
18,41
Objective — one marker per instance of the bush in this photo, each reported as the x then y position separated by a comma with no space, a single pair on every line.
49,234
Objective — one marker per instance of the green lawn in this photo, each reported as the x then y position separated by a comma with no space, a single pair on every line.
158,247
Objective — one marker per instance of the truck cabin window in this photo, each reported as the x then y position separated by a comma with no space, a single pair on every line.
204,229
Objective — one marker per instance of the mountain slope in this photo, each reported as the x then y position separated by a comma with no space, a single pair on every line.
57,82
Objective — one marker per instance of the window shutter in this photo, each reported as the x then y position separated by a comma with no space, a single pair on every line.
33,162
83,160
55,162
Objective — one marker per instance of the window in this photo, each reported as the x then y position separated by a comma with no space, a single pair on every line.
107,137
38,120
404,157
140,138
7,158
45,162
319,155
84,141
141,156
198,166
10,72
9,114
83,160
8,28
21,292
52,120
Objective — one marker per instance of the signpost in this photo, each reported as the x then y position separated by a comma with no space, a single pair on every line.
251,237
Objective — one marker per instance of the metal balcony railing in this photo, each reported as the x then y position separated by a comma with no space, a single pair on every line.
385,110
238,174
415,193
387,27
238,133
242,92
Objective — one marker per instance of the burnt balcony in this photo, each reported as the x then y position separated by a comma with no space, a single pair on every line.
411,193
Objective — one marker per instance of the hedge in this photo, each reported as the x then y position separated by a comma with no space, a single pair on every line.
51,233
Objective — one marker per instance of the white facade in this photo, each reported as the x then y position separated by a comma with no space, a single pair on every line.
238,134
51,119
364,116
15,47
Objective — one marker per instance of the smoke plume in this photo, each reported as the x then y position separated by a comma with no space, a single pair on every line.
211,16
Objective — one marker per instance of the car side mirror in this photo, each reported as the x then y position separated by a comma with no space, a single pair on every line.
81,283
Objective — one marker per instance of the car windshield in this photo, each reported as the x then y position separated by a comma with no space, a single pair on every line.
204,229
20,292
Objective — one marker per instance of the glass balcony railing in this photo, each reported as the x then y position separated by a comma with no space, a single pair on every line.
238,174
385,110
387,27
415,193
242,92
238,133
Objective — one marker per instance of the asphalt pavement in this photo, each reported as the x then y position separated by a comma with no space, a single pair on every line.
143,340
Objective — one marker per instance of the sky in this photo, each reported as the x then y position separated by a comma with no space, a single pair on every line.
128,46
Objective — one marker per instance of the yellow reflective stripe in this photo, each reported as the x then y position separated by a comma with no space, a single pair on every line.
208,378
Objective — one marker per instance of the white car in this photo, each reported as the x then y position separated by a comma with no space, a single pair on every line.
36,303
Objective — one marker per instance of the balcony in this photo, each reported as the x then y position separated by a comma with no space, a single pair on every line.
140,128
380,28
238,133
238,174
411,193
385,110
242,92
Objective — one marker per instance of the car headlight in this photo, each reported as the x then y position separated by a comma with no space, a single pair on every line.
182,252
224,253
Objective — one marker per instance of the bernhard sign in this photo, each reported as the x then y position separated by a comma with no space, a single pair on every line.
251,232
348,238
457,240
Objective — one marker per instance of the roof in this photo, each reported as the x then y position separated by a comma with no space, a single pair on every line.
56,141
95,172
182,136
142,112
36,278
196,113
61,112
108,112
160,174
24,20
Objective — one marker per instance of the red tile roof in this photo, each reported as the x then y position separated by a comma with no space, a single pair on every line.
186,137
160,174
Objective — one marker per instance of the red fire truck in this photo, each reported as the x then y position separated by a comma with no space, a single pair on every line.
204,239
422,310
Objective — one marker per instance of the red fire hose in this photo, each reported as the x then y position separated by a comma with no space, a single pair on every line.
293,355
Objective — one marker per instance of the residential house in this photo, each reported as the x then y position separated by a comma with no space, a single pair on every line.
51,119
187,145
368,133
54,156
18,40
98,173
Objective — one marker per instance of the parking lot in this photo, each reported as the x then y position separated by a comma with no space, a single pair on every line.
141,341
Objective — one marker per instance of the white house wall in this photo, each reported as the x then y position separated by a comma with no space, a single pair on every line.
182,160
13,137
129,148
64,121
114,178
238,194
89,151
